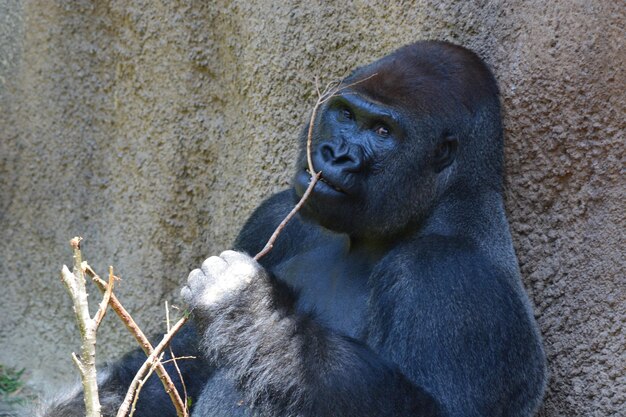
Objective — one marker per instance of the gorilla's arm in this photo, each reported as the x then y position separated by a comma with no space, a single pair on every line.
283,362
459,326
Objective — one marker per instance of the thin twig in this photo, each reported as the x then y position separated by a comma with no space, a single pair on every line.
317,86
141,384
180,374
178,358
105,299
328,92
270,243
315,176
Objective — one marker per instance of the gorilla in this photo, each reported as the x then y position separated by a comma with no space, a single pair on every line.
394,292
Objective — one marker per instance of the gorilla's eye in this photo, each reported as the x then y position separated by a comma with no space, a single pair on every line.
347,114
382,130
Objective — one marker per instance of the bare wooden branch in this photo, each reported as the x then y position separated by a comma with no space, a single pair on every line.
140,337
152,359
86,364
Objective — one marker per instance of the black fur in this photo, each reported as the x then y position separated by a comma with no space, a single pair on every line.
396,292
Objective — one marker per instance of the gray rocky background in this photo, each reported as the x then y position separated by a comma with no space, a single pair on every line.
153,128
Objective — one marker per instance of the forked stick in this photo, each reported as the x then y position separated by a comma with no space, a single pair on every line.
140,337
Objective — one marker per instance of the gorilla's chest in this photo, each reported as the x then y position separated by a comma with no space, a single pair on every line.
332,284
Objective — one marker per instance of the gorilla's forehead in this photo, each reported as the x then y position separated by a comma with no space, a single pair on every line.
399,86
369,103
426,77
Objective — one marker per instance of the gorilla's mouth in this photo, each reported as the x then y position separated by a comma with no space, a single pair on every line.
325,181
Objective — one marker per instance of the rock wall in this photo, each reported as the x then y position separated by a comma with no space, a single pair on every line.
152,129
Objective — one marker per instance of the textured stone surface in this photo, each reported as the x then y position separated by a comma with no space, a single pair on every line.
153,129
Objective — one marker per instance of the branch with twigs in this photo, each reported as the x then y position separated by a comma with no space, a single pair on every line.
158,362
151,363
146,346
75,283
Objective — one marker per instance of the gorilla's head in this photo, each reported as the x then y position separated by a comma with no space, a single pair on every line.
399,136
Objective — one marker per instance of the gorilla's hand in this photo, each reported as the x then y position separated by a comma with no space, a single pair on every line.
220,279
232,298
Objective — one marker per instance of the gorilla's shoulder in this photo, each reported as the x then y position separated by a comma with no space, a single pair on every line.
442,258
431,247
446,272
264,221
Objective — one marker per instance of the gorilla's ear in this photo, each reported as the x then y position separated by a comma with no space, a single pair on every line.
445,152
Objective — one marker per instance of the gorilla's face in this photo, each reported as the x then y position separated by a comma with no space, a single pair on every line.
377,171
387,143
